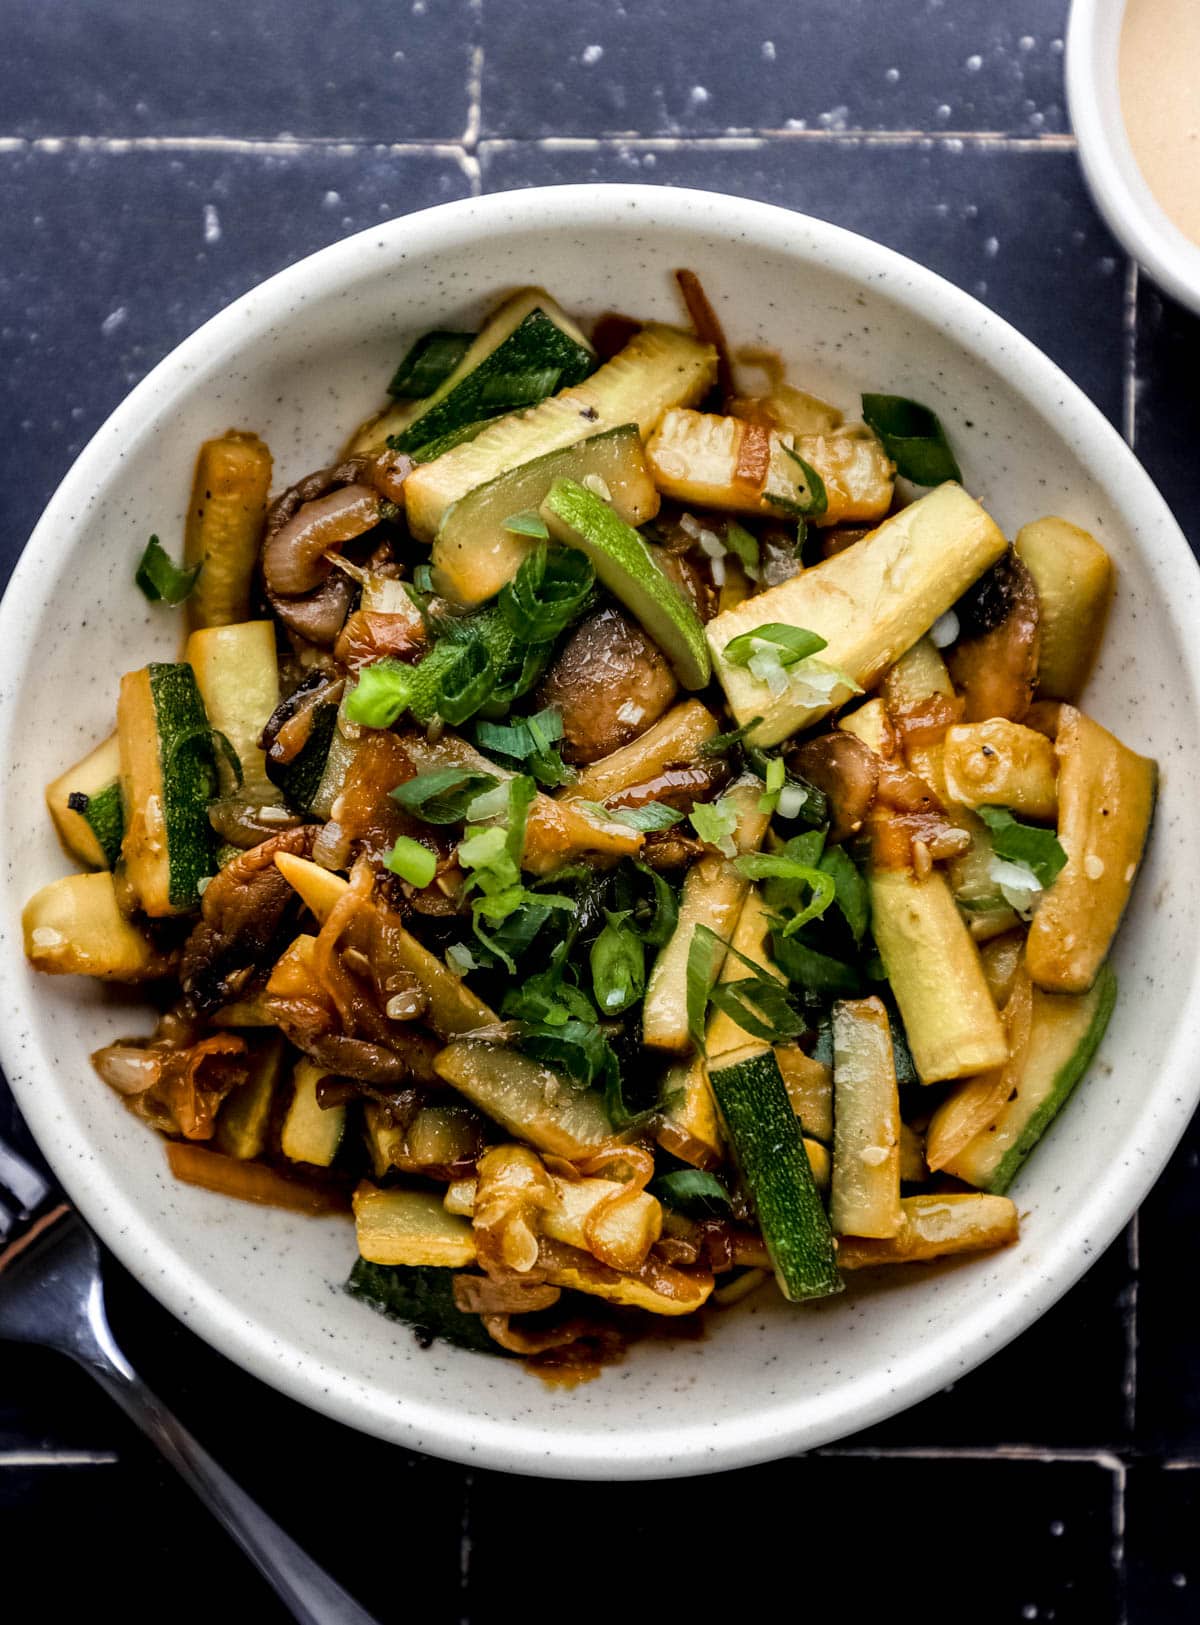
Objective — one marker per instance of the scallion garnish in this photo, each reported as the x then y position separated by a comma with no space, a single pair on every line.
412,861
160,579
1039,850
443,795
529,523
913,438
792,643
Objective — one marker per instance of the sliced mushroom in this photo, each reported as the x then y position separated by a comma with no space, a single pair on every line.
847,771
610,683
995,664
311,521
242,917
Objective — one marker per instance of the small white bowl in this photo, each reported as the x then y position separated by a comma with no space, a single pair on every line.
1112,172
301,359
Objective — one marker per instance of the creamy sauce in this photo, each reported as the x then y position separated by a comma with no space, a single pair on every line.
1160,101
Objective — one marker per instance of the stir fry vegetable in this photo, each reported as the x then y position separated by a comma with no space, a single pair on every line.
547,854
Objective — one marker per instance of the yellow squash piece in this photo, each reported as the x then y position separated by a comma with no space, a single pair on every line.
1073,576
713,894
865,1190
410,1227
74,926
95,773
659,368
237,673
225,521
933,1227
952,1025
739,467
870,603
1001,764
1106,796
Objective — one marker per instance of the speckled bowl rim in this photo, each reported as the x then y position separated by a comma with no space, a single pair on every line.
441,1429
1112,172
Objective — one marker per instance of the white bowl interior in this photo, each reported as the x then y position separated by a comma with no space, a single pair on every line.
301,360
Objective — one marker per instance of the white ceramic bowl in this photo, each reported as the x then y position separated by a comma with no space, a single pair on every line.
303,358
1111,170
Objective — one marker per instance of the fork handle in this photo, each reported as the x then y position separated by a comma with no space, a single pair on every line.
313,1596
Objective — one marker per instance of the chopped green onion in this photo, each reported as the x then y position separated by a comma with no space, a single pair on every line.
759,1003
529,523
722,744
547,593
772,866
692,1192
794,643
817,497
776,778
739,542
1037,849
412,861
380,695
654,815
444,795
851,894
913,438
618,965
715,822
460,958
160,579
428,364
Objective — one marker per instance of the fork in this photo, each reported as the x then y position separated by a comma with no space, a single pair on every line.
52,1294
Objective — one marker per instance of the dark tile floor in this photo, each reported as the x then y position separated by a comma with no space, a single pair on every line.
157,160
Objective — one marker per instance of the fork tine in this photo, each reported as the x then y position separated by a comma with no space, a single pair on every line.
22,1180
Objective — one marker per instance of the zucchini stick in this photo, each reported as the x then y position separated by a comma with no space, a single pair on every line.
225,521
865,1193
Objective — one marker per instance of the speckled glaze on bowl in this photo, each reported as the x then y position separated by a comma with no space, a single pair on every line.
302,359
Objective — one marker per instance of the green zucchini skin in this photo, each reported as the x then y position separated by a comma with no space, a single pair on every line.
185,757
428,364
768,1146
1065,1080
104,816
537,345
420,1296
300,779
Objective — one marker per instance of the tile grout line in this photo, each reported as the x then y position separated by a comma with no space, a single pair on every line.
468,155
472,141
1118,1545
1129,357
1109,1460
464,1550
56,1458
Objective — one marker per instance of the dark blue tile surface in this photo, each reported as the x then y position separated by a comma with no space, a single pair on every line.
1036,1488
373,70
1168,366
154,243
705,67
1163,1515
1016,229
852,1538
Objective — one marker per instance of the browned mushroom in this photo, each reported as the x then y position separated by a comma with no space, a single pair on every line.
610,683
308,523
679,786
242,915
995,664
847,771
